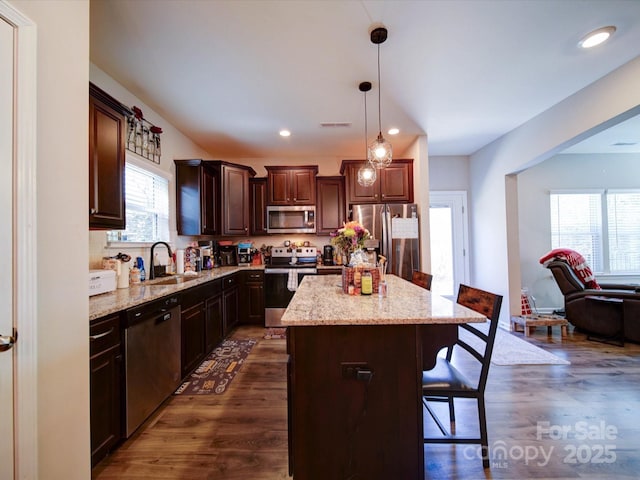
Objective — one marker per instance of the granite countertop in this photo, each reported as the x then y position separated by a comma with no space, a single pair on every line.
123,298
320,300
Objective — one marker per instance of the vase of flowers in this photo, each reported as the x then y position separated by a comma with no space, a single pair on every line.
349,239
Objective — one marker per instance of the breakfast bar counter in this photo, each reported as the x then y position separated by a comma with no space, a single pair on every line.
321,301
354,377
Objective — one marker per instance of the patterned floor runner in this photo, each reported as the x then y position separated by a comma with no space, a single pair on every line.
217,371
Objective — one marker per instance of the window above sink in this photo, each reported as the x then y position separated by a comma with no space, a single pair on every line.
146,205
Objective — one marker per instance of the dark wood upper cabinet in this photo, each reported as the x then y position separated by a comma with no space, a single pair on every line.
235,195
197,198
330,204
291,185
393,185
258,206
212,197
107,130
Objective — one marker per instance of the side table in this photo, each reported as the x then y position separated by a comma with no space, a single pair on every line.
528,324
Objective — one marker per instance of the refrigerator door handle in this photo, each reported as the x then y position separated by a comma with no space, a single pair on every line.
386,232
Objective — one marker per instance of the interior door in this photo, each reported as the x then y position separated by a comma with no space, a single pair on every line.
449,241
6,246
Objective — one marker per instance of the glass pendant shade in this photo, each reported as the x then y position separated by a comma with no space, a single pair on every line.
379,152
367,175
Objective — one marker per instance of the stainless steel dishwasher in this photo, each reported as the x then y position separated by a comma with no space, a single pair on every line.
152,358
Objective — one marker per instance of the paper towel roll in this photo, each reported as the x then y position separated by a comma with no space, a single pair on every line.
123,274
179,262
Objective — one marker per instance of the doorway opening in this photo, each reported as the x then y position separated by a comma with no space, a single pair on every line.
448,227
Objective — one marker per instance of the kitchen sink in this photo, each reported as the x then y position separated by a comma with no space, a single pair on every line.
173,280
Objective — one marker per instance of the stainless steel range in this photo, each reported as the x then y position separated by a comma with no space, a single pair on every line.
281,278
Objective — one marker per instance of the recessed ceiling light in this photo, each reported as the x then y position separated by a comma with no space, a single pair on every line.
285,133
393,131
596,37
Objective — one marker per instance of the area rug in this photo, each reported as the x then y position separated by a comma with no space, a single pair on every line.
275,333
511,350
217,371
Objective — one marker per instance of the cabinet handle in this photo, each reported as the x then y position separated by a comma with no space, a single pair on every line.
295,199
101,335
383,195
93,211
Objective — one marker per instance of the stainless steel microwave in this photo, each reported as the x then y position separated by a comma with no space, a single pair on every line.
291,219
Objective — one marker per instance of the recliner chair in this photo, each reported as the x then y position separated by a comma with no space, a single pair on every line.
609,313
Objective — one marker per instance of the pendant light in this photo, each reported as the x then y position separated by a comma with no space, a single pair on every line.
379,152
366,173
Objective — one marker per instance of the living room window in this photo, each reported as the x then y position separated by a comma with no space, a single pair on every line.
602,225
146,203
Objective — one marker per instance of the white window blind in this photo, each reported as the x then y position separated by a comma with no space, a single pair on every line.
604,227
576,223
623,215
147,206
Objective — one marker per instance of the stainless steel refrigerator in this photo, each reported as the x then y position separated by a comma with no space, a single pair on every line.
397,229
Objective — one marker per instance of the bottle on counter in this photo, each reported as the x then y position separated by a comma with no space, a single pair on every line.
140,265
134,274
366,283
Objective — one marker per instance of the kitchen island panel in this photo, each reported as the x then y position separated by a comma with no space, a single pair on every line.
356,402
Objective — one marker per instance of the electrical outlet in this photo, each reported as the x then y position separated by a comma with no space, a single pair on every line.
351,370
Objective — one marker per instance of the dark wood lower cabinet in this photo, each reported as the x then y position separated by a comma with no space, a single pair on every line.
341,426
202,323
231,303
253,297
213,328
193,338
106,378
330,271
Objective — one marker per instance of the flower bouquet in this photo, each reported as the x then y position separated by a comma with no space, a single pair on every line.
349,238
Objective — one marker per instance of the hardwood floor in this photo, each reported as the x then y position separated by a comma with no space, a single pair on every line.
538,416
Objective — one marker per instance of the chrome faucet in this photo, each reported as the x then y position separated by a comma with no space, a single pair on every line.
152,274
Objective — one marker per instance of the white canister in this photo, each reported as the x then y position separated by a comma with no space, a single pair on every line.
123,274
179,262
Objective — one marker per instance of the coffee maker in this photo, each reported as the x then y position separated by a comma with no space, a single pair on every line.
228,255
244,256
327,255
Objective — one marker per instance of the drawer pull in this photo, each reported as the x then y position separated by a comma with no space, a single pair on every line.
101,335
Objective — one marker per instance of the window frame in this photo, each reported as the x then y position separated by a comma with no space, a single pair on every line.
153,169
604,226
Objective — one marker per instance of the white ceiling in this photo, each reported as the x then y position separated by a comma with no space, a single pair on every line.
231,73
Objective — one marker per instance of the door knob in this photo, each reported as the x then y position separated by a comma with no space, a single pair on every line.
7,342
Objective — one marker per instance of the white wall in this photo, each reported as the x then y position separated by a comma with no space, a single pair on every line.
449,173
560,172
495,243
62,236
419,151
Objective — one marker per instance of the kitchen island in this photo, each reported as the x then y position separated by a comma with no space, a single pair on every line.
354,380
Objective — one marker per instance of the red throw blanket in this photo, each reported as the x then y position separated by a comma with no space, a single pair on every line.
576,262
